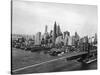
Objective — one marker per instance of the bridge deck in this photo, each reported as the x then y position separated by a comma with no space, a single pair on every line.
68,55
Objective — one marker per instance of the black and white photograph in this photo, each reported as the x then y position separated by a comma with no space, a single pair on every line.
53,37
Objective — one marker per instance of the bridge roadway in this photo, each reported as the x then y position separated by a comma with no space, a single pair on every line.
35,67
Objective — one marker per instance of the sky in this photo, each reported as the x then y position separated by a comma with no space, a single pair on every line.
30,17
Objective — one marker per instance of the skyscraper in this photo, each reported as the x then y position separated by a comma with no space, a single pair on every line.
76,36
66,33
95,40
54,33
46,34
58,31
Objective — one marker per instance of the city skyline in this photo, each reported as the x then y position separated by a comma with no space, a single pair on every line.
70,17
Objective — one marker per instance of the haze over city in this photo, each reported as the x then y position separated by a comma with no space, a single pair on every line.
31,17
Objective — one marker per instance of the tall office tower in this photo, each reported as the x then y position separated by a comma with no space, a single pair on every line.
58,31
76,36
73,40
85,39
54,33
66,33
95,38
38,38
46,35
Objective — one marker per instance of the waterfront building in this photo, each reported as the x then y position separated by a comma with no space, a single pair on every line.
90,40
73,40
85,39
76,36
70,41
66,37
66,40
59,41
16,36
38,38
